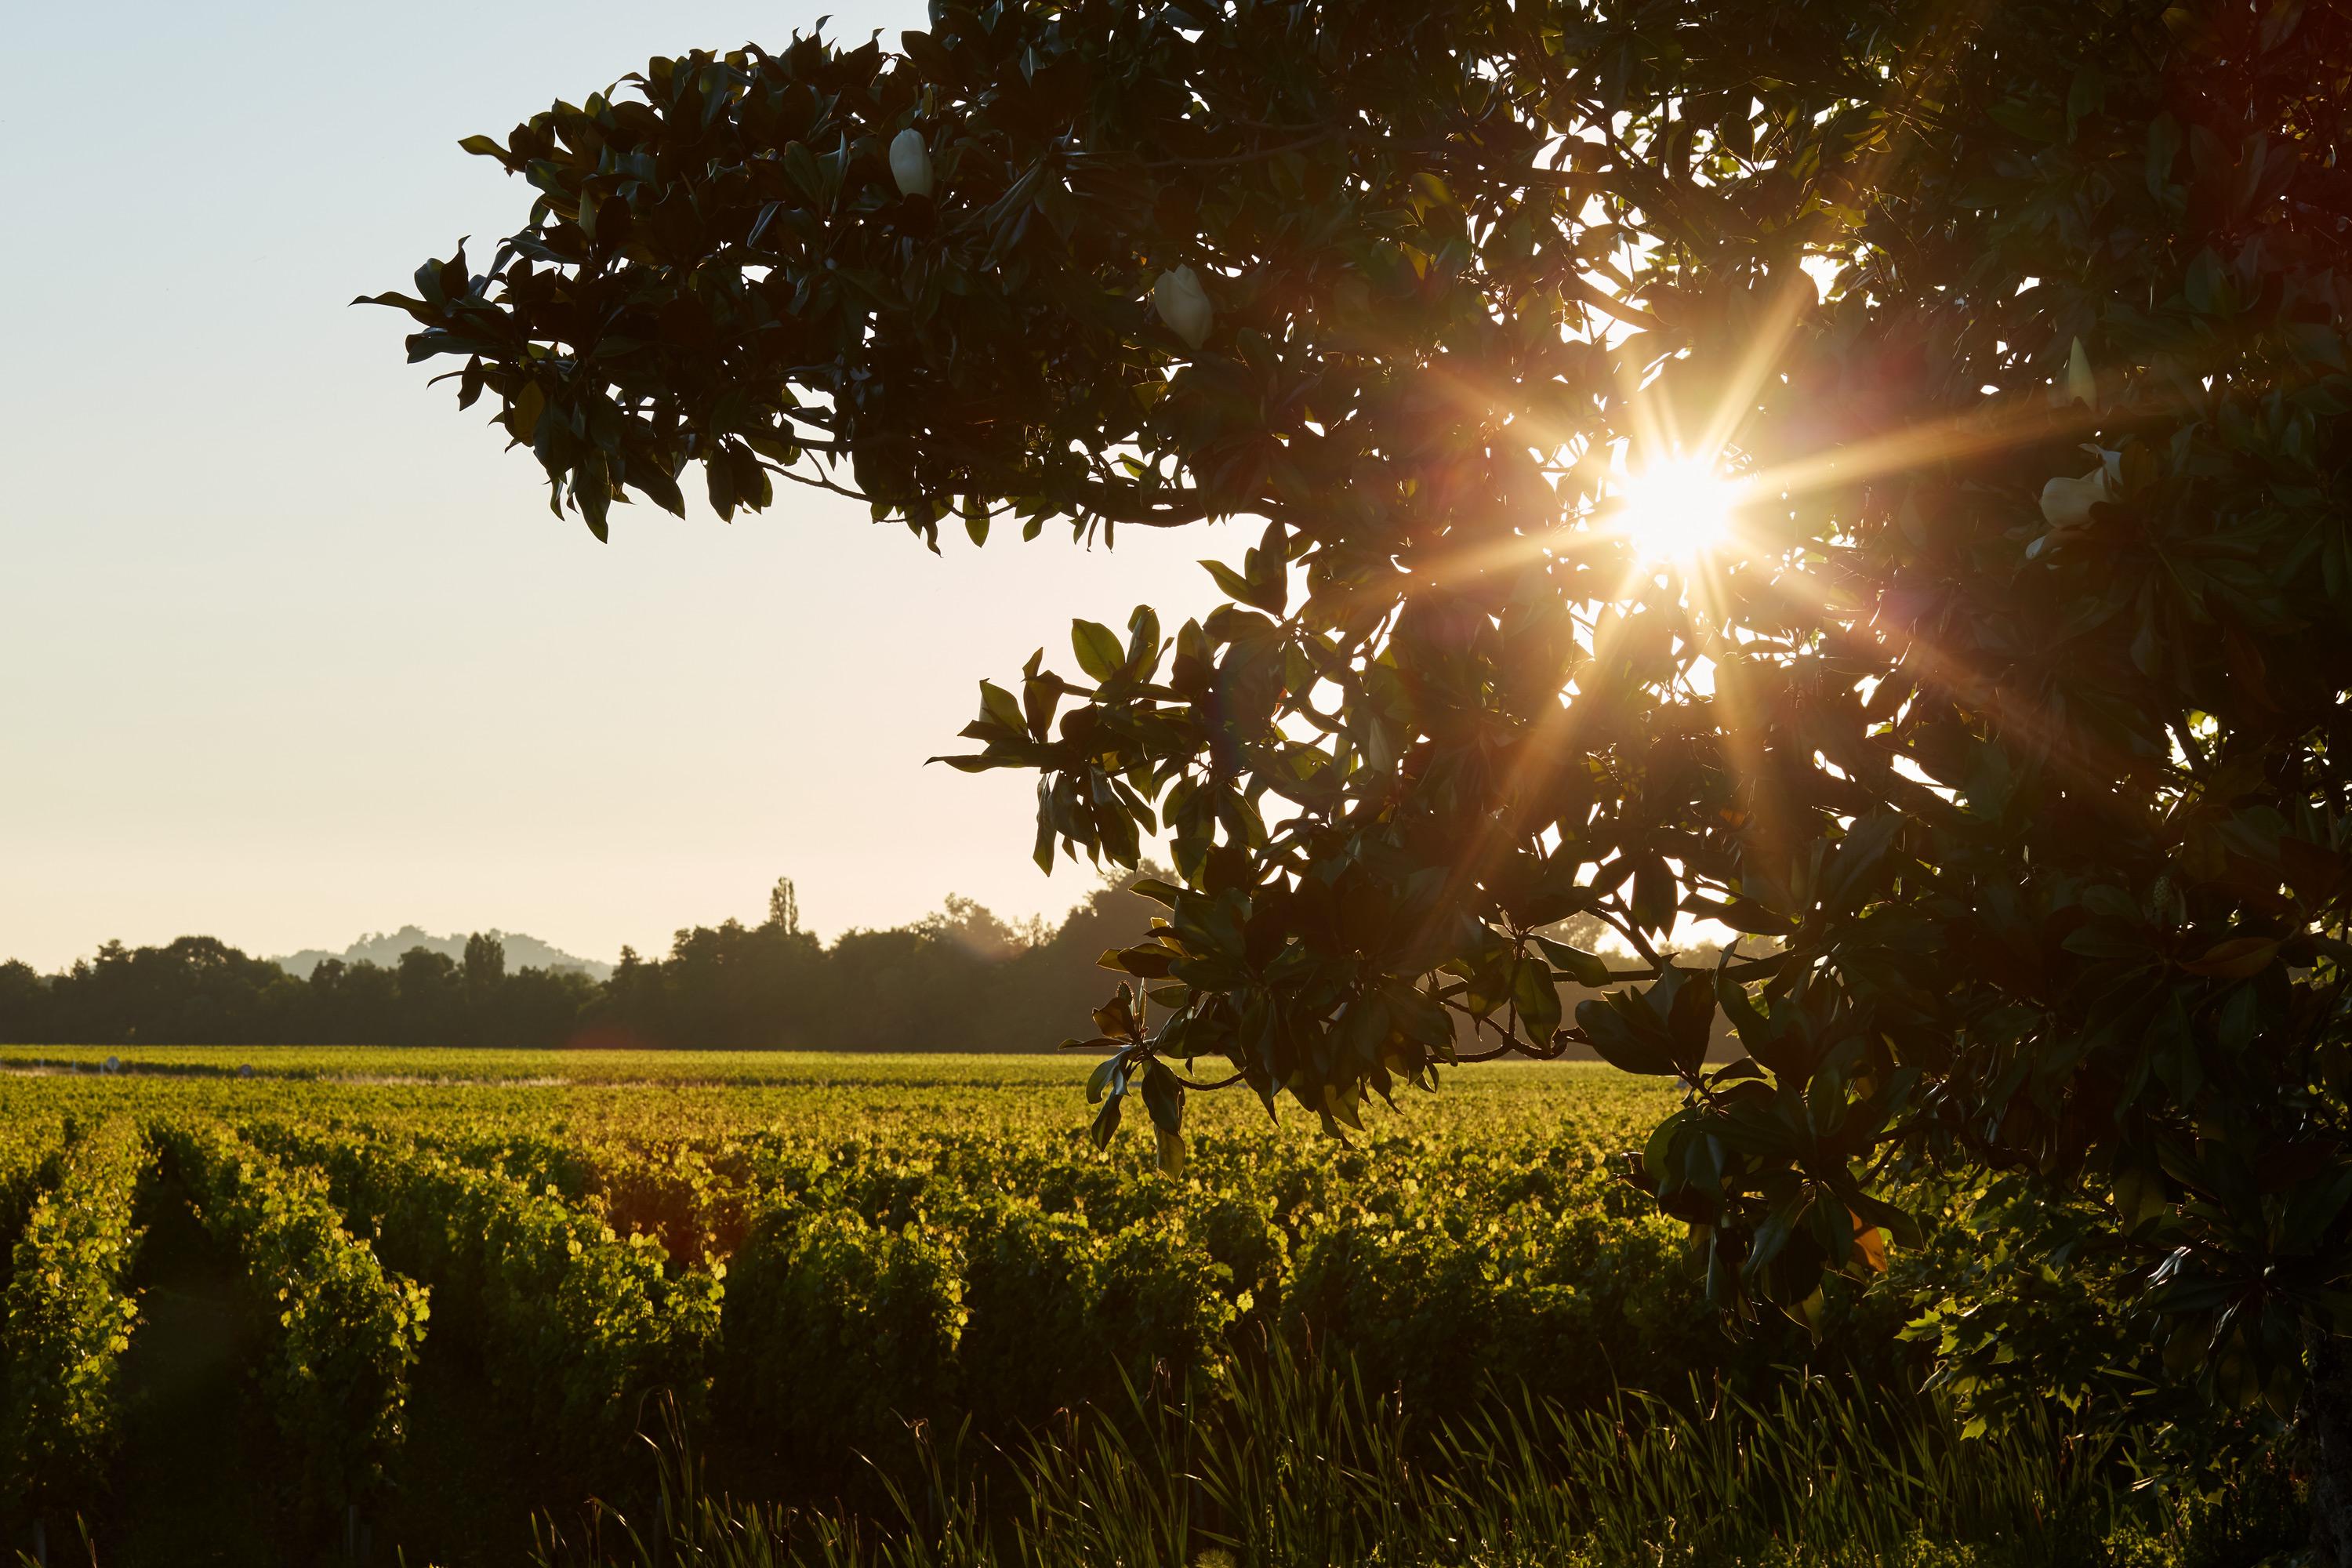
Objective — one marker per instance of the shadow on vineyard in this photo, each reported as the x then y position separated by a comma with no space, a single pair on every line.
462,1489
201,1477
192,1485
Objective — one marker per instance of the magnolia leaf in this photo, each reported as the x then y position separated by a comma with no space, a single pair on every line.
2238,958
1586,969
1099,650
1869,1244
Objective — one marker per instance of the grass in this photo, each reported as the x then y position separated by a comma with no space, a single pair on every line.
1299,1466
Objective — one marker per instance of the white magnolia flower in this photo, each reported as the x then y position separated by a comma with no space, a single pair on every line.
2066,503
910,163
1183,305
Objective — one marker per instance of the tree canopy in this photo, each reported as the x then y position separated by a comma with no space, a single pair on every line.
2012,708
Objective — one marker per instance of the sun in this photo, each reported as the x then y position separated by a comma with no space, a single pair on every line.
1675,512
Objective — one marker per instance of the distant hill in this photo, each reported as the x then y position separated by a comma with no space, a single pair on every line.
522,953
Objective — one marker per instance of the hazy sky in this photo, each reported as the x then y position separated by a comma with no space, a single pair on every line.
289,650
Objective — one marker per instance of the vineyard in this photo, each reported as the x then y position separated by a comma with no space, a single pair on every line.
440,1293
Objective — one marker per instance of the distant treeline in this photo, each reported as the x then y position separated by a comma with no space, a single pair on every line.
961,980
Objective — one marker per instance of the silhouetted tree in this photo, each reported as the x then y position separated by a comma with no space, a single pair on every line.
28,1011
784,907
2015,705
485,963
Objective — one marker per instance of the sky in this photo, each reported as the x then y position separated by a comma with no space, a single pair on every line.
290,650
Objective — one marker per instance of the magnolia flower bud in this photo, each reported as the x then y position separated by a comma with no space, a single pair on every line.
2081,386
910,163
1183,305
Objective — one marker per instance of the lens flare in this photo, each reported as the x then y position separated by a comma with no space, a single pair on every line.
1675,512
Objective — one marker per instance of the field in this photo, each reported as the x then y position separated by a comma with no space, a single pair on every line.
333,1305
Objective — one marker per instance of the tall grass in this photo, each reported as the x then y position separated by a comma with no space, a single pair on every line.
1296,1465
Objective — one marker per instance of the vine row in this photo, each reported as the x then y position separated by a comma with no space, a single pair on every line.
340,1332
66,1317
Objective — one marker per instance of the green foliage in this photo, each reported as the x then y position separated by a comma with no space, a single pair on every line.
1067,1308
836,1328
698,1204
1434,1292
1030,1278
577,1324
69,1317
996,1269
25,1147
2016,1278
878,1265
2035,775
340,1333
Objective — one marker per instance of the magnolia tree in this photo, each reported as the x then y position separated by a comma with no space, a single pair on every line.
2005,343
